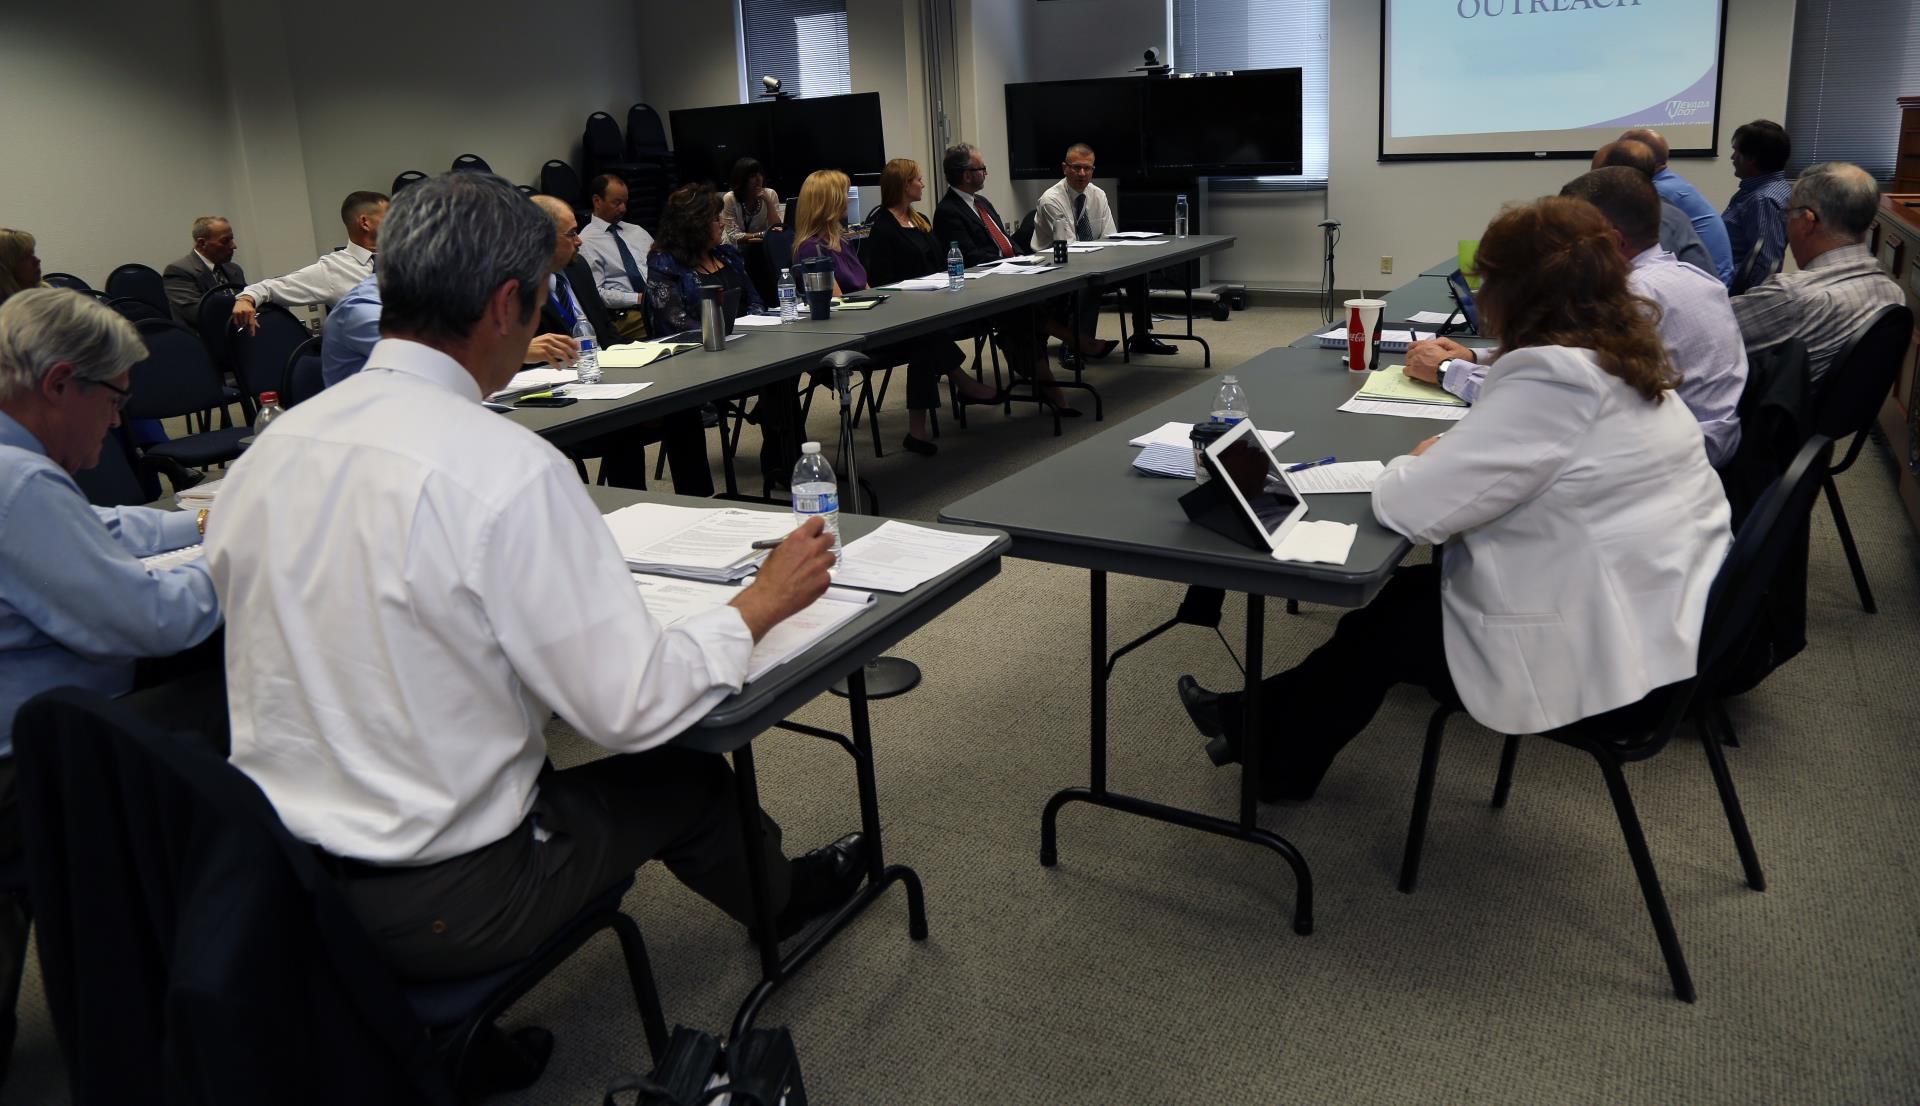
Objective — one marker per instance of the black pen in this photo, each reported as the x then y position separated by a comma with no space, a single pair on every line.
768,543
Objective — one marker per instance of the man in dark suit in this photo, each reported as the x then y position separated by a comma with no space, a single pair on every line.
209,266
573,296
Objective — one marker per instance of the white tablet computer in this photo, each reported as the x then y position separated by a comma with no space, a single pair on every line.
1241,461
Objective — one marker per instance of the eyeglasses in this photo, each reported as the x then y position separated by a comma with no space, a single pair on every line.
120,395
981,169
1087,168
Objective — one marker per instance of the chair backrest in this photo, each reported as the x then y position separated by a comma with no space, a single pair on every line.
408,177
302,380
177,377
1734,602
778,245
557,178
136,281
214,320
1022,238
1746,277
1861,376
471,163
67,280
601,141
133,309
260,359
114,482
177,918
646,136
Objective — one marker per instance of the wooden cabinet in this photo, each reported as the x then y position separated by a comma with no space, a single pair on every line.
1896,242
1906,168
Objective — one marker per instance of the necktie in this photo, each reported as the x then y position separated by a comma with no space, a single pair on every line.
562,297
985,211
626,259
1082,229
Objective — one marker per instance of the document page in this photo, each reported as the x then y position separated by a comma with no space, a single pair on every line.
633,355
901,557
670,600
700,542
1361,405
604,391
1347,476
1181,433
1393,383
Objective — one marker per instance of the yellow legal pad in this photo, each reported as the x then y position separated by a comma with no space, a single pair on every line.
1392,383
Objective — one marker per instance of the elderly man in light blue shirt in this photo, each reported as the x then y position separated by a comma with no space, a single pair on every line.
76,605
1697,324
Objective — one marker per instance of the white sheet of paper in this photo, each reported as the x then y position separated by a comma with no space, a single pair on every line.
1075,247
1339,477
900,557
1133,234
161,562
1139,242
1435,317
694,537
631,355
932,282
1181,433
1358,406
535,378
1013,268
669,600
757,320
605,391
1322,542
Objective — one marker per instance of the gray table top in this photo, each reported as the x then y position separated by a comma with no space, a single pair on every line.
890,617
1086,506
686,380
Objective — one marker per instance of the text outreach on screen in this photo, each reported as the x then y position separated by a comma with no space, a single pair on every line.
1547,78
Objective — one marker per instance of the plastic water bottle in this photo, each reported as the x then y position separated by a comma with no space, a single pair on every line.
588,363
1230,403
789,297
815,495
956,268
270,410
1180,215
853,205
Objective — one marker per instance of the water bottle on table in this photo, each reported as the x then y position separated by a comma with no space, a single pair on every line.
1180,215
270,410
789,297
588,363
815,495
1229,408
956,268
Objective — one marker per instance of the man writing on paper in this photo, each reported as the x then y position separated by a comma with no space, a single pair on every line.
1696,323
1076,210
467,588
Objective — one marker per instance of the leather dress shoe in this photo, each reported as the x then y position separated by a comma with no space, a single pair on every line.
1106,347
994,400
1146,343
823,880
1203,707
921,446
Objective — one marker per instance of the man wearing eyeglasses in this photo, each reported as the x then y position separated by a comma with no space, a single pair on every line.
1076,210
1839,285
77,607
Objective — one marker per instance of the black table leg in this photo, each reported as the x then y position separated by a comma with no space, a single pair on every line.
1245,828
775,969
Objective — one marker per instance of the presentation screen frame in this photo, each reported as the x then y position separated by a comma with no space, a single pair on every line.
1554,150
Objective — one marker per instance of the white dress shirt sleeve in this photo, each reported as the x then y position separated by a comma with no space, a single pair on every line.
581,639
1052,219
316,283
1514,443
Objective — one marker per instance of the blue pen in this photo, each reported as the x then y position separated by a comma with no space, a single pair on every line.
1312,464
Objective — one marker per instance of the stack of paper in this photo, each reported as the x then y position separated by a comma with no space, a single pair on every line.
604,391
1350,476
1393,384
1076,247
932,282
1181,434
638,355
160,562
1133,234
1165,459
1432,317
1014,268
670,600
1361,405
714,544
900,557
1392,341
757,320
199,496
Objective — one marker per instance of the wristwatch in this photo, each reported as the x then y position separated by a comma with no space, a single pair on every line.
201,520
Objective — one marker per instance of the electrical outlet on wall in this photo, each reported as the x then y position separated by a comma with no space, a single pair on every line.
1386,264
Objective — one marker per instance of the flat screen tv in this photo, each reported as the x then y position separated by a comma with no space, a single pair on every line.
707,141
1044,119
1240,124
827,132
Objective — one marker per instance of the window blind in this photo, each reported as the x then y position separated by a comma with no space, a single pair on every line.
1212,35
802,42
1851,59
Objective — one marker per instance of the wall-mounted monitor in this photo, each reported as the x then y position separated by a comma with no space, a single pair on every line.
1044,119
1245,124
790,138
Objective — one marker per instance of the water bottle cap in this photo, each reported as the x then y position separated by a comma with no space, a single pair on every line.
810,447
1229,379
269,398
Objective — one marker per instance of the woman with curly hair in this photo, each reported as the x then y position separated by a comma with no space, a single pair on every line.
1582,523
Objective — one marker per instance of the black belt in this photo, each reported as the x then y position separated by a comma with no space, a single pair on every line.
340,867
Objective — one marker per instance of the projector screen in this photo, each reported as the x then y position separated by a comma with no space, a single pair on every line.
1547,78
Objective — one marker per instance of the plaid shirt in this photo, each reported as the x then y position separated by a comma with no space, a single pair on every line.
1757,213
1822,305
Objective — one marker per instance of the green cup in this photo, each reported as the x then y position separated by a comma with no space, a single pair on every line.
1469,247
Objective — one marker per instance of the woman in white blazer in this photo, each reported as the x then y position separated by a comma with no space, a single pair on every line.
1582,523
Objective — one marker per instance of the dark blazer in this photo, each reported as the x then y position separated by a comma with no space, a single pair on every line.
893,253
581,278
189,278
953,221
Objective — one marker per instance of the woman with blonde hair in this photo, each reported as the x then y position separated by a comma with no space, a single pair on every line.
820,224
1582,523
19,267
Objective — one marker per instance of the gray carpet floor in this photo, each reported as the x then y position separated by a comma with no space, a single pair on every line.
1155,964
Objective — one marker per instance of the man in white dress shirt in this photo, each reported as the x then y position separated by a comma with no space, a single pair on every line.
327,280
1076,210
617,255
1696,321
422,583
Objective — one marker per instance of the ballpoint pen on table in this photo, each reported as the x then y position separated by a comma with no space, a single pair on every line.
1312,464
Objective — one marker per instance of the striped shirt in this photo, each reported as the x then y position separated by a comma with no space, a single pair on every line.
1757,214
1822,305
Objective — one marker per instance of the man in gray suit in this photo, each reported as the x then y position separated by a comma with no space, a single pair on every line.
209,266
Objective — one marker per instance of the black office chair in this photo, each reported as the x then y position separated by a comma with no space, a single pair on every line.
1849,403
134,309
410,176
302,380
1641,730
136,281
168,790
557,178
1022,236
213,319
470,163
67,280
260,359
178,378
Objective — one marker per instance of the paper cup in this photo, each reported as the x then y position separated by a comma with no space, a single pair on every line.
1363,318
